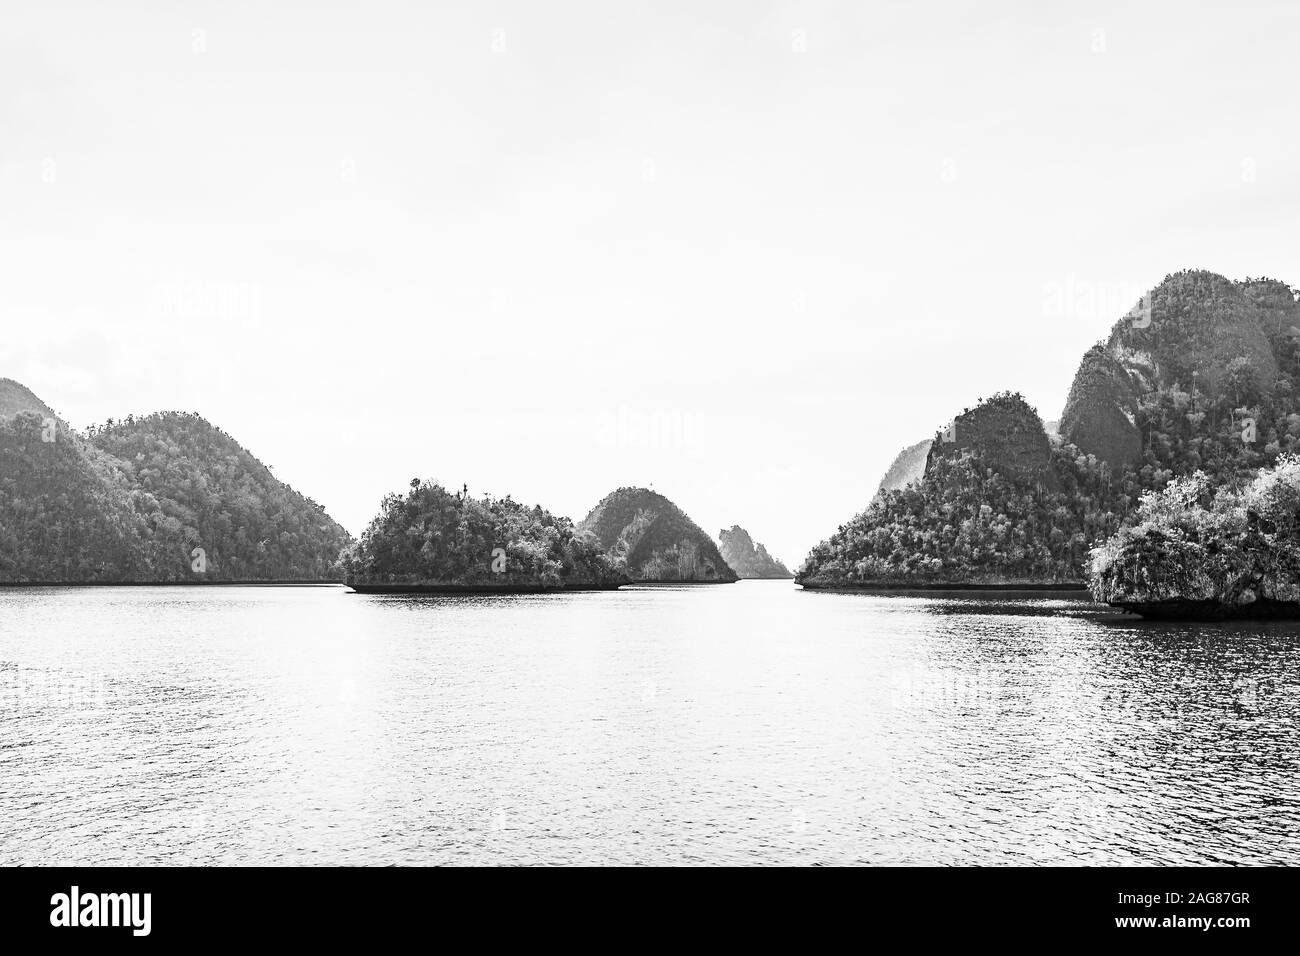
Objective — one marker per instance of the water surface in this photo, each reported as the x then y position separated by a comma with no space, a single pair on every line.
748,723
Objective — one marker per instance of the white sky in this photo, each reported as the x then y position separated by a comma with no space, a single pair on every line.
741,251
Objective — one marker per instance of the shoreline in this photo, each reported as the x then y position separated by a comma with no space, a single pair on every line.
291,583
1005,586
477,588
663,583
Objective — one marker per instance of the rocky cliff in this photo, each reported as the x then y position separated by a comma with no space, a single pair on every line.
747,559
1196,331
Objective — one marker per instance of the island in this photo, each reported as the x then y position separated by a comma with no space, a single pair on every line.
748,560
654,541
1200,381
430,540
1197,553
166,498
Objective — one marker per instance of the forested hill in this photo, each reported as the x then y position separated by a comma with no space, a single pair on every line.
213,493
164,498
998,504
68,512
1203,374
654,539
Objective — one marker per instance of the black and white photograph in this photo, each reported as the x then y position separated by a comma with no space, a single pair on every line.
734,433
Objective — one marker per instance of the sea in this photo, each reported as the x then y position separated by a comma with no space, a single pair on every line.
745,724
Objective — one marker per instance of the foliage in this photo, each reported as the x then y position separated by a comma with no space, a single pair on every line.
972,518
654,539
1229,547
971,521
430,536
130,501
203,487
67,512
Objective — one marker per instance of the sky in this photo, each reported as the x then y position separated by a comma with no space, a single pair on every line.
741,252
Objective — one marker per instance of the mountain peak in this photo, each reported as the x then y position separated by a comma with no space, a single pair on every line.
1005,432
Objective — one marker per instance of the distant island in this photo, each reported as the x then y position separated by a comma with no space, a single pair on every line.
166,498
654,540
1164,490
1202,375
747,559
430,540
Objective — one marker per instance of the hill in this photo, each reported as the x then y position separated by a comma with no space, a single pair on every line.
747,559
68,512
432,540
998,505
202,485
908,466
1196,332
164,498
1203,375
1006,434
654,540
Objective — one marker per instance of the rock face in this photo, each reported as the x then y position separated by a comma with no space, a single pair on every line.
908,467
1192,330
1007,434
1100,412
1279,314
747,559
654,540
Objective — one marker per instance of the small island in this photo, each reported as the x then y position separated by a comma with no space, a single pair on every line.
655,541
747,559
1195,553
430,540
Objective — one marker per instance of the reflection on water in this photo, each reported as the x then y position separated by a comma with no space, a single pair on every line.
732,724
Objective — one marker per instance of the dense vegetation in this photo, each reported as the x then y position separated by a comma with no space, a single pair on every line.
654,540
430,537
201,486
747,559
1209,383
131,501
1194,550
974,519
68,512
